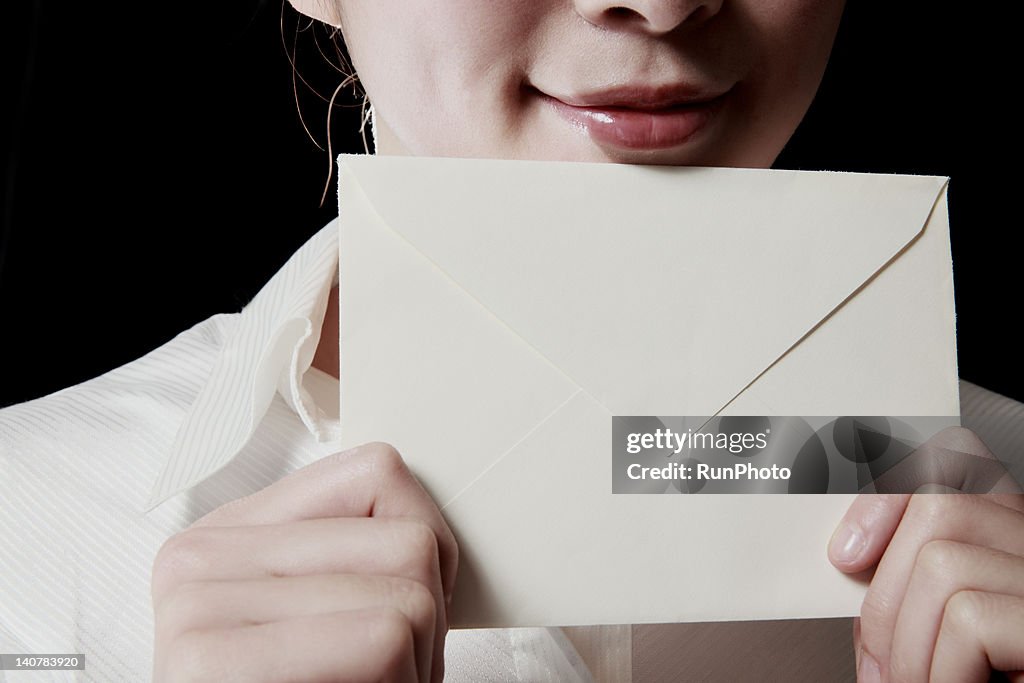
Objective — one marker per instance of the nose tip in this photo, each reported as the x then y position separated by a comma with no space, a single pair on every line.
656,17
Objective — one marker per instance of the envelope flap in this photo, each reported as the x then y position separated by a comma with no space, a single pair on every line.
587,262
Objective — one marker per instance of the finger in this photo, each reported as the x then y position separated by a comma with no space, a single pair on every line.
965,441
367,481
943,569
218,605
980,632
964,518
399,547
377,645
954,457
863,534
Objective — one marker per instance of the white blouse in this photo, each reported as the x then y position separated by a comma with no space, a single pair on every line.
94,478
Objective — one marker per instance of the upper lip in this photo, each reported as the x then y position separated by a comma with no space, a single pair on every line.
642,96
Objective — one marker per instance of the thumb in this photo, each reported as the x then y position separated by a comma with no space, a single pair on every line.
864,533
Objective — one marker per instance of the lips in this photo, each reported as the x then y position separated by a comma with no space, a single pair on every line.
638,117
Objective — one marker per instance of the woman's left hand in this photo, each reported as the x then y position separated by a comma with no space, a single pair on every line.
946,602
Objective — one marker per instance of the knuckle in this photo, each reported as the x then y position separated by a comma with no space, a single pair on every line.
387,461
377,459
938,515
938,560
418,544
454,546
964,613
961,439
390,637
926,509
182,608
418,601
874,611
195,657
182,555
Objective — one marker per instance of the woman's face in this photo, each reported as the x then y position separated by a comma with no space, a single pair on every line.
711,83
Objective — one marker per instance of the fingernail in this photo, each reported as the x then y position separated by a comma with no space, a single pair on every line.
847,543
869,671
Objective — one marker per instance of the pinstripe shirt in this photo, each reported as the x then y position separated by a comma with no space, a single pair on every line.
94,479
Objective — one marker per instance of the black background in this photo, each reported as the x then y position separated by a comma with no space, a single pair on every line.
141,144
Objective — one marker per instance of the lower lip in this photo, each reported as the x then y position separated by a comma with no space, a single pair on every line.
637,128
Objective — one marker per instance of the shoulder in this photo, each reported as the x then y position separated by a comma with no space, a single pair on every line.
998,420
138,396
977,399
77,466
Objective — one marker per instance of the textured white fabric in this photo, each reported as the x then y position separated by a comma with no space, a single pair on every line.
222,410
94,478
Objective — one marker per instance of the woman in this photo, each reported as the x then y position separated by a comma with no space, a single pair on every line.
292,581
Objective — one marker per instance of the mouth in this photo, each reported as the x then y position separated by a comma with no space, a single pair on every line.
639,117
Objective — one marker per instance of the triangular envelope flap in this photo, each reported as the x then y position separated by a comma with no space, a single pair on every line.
423,364
659,290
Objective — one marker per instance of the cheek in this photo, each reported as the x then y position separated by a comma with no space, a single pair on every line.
795,38
430,66
790,43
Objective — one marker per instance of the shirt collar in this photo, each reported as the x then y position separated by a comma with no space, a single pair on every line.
268,352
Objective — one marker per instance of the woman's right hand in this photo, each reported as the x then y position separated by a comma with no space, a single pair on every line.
342,570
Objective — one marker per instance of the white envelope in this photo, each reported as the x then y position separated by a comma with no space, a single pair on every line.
494,315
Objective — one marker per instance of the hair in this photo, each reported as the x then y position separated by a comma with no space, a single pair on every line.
340,65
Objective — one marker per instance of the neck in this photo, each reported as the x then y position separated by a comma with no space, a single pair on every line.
326,356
